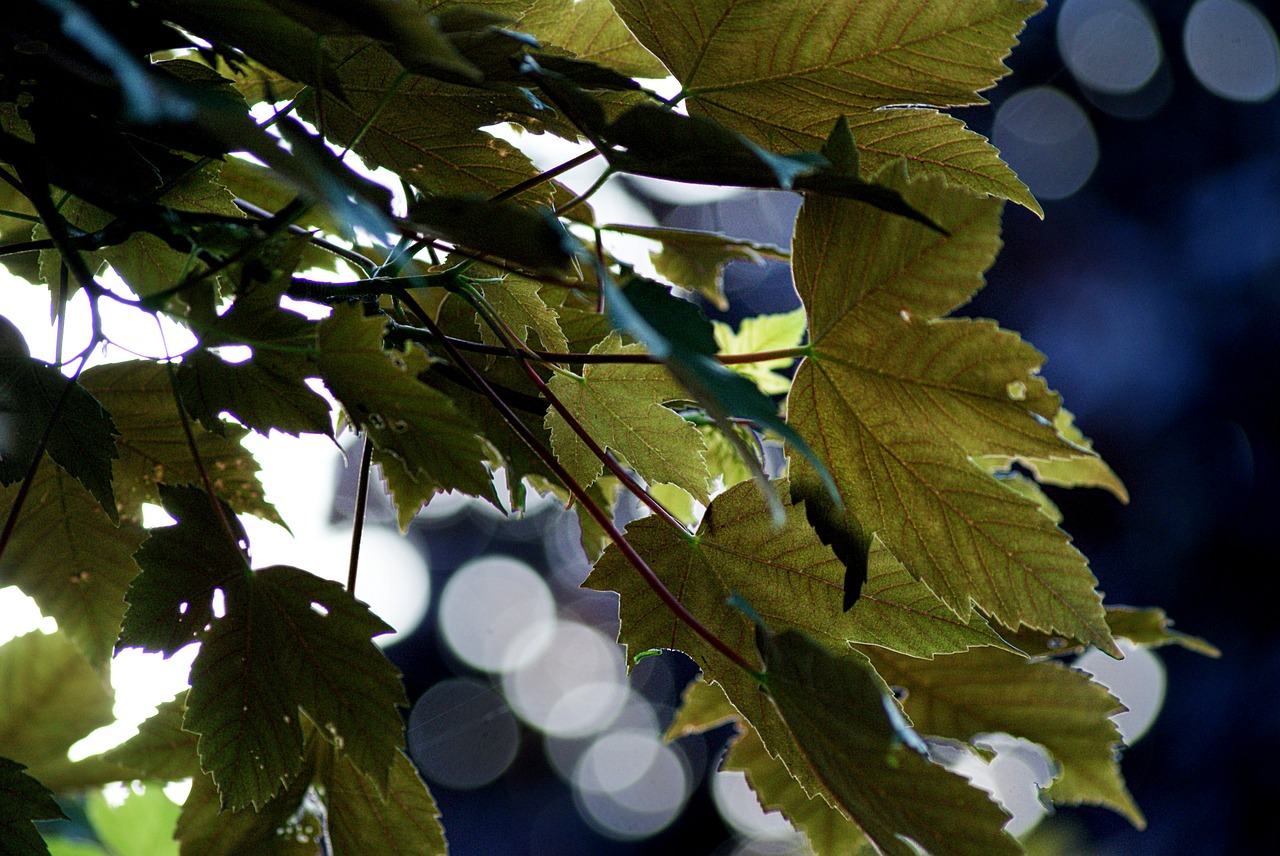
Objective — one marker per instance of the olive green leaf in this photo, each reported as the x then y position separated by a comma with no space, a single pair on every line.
436,446
81,439
291,642
620,406
848,58
161,749
51,697
281,827
67,555
841,718
1083,470
901,403
153,444
696,260
980,691
591,30
404,821
23,800
1148,626
829,832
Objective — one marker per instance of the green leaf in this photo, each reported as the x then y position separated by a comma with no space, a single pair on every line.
829,832
1152,628
620,406
258,393
161,749
844,58
153,446
69,557
403,822
591,30
82,440
531,237
23,800
59,846
839,713
437,447
901,403
50,697
763,333
961,696
291,641
281,827
1082,470
696,260
519,304
680,321
789,576
183,566
143,823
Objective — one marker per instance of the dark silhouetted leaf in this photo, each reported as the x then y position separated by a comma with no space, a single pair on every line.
22,800
171,601
528,237
361,819
291,642
82,440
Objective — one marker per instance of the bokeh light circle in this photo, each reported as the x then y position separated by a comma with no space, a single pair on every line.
740,808
1110,46
630,785
1048,140
496,614
1232,50
462,734
575,687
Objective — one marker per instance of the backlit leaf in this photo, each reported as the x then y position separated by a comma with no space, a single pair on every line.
437,445
829,832
291,641
1083,470
143,823
963,695
206,827
620,406
403,822
836,708
844,58
259,394
71,559
153,446
763,333
591,30
161,749
518,302
900,402
1149,627
50,697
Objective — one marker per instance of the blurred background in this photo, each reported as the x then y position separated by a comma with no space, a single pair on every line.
1150,132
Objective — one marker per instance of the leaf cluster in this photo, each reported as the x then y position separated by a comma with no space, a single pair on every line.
905,580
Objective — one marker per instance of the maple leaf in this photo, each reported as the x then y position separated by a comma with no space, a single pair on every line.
847,58
961,696
68,556
900,403
50,698
763,333
434,445
404,821
591,30
620,406
153,444
81,440
161,749
23,800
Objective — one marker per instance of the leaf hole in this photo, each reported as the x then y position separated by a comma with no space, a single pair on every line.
899,693
319,609
219,603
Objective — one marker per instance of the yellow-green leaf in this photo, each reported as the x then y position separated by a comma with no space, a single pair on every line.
436,445
852,58
591,30
1082,470
758,334
901,403
620,406
67,555
153,445
961,696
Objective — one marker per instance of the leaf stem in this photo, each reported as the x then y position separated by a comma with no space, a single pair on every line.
597,513
362,500
543,177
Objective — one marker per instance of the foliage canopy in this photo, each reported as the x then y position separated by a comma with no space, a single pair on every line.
477,322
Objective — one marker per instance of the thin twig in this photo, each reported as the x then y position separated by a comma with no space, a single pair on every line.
543,177
597,513
362,499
